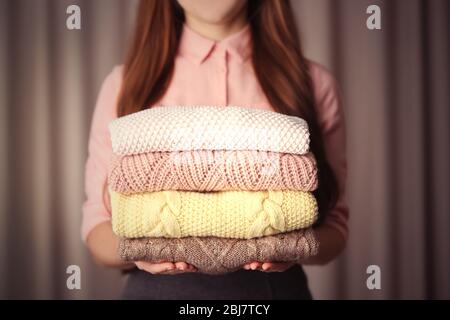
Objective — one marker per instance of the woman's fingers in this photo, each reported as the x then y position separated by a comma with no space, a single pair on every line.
253,265
268,266
155,267
165,267
183,266
276,266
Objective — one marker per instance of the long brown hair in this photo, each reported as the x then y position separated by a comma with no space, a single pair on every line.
277,58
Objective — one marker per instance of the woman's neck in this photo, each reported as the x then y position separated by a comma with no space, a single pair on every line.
217,31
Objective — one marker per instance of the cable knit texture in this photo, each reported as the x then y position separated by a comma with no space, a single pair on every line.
213,255
182,128
213,170
228,214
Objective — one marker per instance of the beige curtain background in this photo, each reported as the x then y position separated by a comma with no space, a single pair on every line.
395,90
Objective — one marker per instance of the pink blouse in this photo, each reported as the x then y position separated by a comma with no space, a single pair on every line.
212,73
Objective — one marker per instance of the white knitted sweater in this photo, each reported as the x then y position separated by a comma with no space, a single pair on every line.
183,128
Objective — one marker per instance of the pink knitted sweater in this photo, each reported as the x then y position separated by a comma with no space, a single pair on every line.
212,170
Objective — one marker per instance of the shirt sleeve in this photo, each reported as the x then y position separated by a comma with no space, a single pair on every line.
94,208
332,123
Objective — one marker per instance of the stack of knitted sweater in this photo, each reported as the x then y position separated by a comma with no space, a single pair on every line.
215,187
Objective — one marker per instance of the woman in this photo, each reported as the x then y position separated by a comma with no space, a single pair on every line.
223,52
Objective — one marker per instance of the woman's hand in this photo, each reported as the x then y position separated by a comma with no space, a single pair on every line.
104,244
165,267
269,266
331,241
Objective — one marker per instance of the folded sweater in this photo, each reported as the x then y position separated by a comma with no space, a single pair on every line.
212,170
182,128
228,214
213,255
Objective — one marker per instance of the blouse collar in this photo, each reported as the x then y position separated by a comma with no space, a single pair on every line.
198,48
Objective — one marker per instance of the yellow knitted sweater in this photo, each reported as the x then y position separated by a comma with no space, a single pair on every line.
227,214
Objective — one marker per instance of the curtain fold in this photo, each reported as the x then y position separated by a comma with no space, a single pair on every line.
395,91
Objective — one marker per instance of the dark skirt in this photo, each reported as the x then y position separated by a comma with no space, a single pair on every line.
242,284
